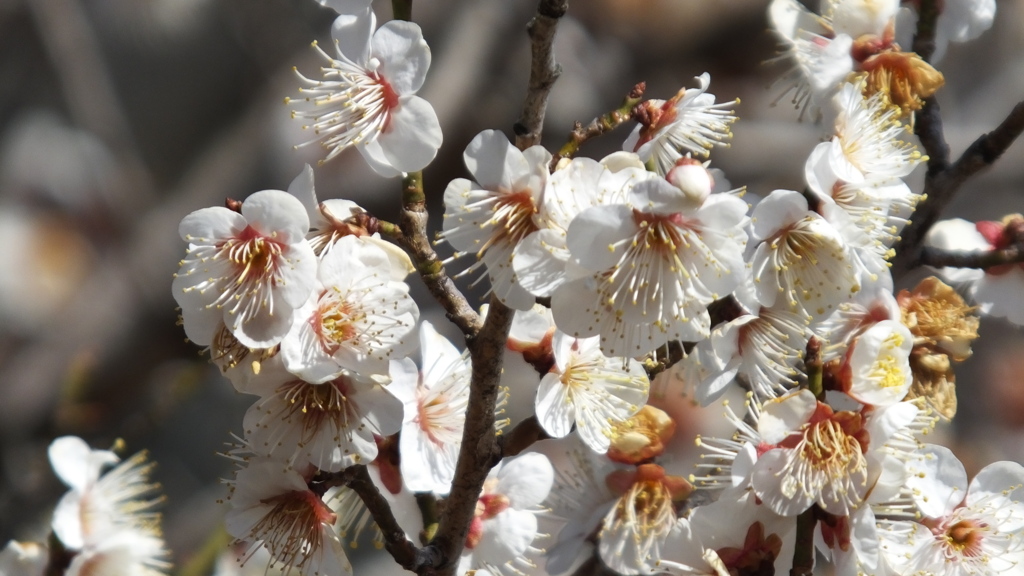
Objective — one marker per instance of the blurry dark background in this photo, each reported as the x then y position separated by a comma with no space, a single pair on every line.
118,117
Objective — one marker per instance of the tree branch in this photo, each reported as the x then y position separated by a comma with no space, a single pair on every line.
401,548
479,452
521,437
412,235
544,71
803,551
931,256
601,124
943,181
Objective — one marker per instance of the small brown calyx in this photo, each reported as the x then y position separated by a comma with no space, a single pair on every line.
642,437
540,355
233,205
903,79
648,478
357,223
756,557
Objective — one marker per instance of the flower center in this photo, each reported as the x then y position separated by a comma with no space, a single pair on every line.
887,370
513,218
440,417
756,557
965,537
317,405
489,505
292,530
335,321
253,254
647,505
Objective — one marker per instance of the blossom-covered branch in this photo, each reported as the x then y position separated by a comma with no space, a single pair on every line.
944,181
544,71
479,443
413,237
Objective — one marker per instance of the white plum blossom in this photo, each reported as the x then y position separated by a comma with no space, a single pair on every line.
579,499
356,318
637,528
247,270
763,349
101,505
335,218
505,522
879,364
367,96
974,531
590,390
272,507
802,259
654,265
688,123
488,217
435,411
816,455
729,536
542,259
867,146
329,425
821,58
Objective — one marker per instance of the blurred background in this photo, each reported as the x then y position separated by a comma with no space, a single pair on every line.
119,117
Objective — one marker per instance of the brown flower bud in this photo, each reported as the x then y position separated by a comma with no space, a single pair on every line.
641,437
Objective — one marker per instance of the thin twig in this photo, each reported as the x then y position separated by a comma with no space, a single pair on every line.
521,437
943,182
413,237
601,124
544,71
803,551
939,258
479,452
356,478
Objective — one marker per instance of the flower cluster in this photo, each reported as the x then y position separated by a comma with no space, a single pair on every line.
104,524
643,262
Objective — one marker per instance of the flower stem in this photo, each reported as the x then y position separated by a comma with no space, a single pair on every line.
601,124
803,551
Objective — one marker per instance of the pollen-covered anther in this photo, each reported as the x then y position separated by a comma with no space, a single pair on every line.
316,404
903,78
827,461
291,530
647,504
642,437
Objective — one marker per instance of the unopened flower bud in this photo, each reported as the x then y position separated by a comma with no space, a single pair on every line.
693,179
